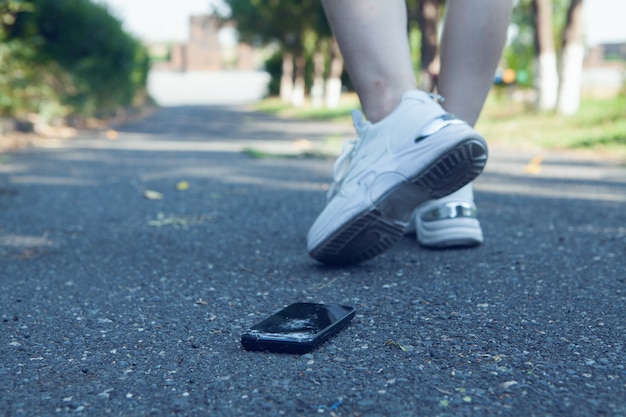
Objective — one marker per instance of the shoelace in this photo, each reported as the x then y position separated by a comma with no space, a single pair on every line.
342,164
340,168
348,149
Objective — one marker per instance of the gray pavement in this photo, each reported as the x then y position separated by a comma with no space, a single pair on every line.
115,304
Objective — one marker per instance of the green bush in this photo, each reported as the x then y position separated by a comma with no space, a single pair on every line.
69,57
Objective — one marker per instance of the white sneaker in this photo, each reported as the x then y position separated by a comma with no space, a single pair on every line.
417,153
448,222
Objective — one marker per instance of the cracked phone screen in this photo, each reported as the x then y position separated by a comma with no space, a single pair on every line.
300,322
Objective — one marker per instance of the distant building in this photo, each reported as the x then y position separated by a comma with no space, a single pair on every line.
608,54
615,52
604,70
203,52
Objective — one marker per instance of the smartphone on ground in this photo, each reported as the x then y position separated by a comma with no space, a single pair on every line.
298,328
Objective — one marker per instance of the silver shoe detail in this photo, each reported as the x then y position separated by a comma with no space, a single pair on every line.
450,210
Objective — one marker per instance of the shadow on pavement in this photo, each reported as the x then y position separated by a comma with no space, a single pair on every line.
113,303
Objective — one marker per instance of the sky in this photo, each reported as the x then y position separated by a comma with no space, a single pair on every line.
159,20
167,20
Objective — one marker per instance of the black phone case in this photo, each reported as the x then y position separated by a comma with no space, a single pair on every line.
258,338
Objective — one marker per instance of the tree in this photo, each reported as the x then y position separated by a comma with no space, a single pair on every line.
327,64
285,22
546,77
558,86
333,80
571,61
317,87
427,14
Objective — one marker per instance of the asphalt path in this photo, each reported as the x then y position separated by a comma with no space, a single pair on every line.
113,303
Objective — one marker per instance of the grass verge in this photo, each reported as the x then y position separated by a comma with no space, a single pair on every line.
275,106
598,126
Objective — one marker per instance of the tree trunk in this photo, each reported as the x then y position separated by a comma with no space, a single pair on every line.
428,22
297,96
571,60
317,89
547,79
286,78
333,81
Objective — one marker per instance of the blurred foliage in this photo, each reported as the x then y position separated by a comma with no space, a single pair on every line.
288,21
284,21
296,26
273,66
519,54
67,57
599,125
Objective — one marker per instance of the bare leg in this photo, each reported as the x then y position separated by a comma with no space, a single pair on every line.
373,39
372,36
471,45
372,200
473,37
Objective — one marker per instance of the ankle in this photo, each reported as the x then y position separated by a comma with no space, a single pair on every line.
381,102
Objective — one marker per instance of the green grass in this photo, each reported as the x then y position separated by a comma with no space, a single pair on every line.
277,107
258,153
599,125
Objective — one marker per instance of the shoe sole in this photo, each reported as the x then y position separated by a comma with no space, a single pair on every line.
450,233
379,227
